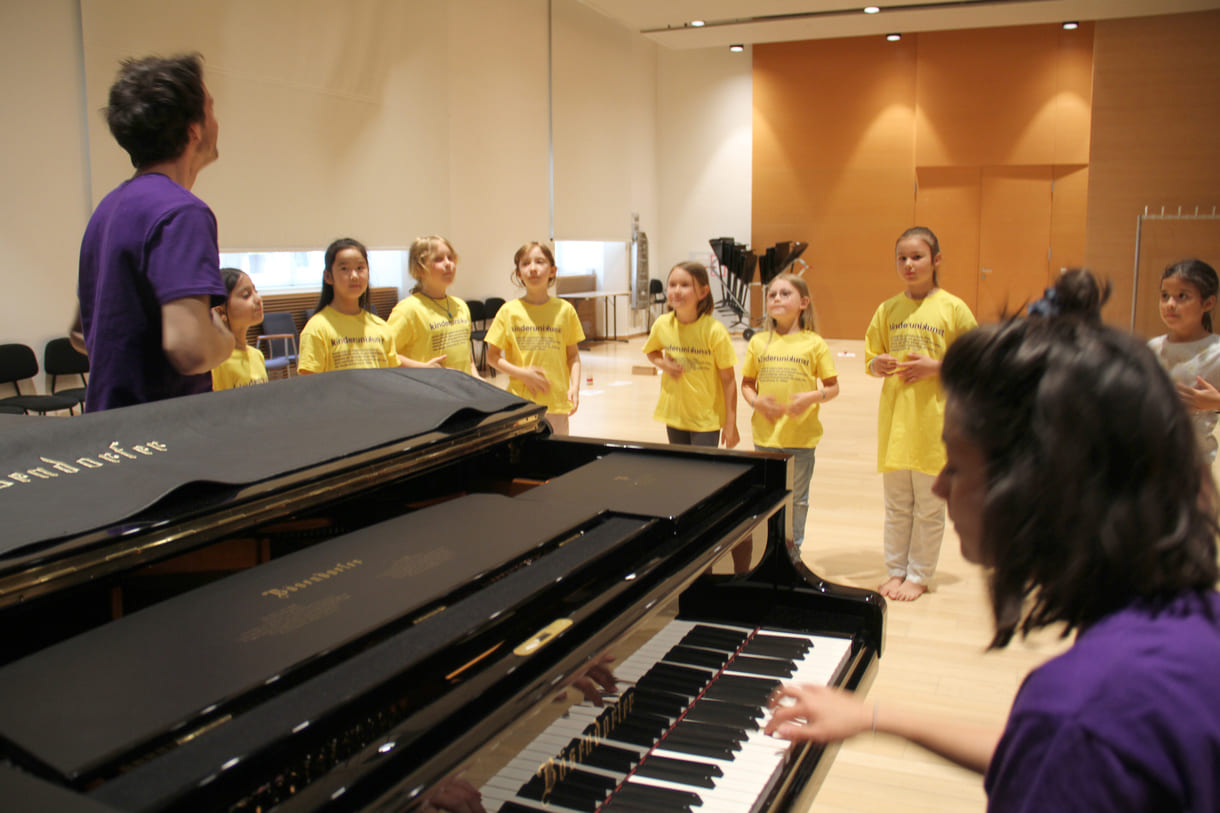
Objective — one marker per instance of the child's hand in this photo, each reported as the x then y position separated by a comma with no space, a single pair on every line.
670,367
801,402
437,362
535,380
917,368
1202,397
574,397
884,365
729,436
771,409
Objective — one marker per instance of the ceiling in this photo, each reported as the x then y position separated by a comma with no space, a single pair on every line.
666,22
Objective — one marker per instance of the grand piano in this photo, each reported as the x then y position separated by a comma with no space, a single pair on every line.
395,590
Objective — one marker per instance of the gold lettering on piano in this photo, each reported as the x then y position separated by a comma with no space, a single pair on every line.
312,579
413,564
291,618
51,468
555,769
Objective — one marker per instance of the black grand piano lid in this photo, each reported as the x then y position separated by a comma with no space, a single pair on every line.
92,697
64,476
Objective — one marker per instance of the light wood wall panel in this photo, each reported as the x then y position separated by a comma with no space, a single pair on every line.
1155,139
1004,96
857,139
834,166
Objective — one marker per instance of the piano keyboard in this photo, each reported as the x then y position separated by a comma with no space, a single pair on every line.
685,732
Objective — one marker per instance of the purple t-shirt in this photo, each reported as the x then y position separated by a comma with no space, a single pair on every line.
1128,719
149,242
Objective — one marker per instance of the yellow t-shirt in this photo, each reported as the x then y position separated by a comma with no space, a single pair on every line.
242,368
336,341
784,365
538,336
694,402
911,416
425,328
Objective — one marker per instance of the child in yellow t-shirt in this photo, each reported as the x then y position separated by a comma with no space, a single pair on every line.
432,327
780,380
343,334
905,342
534,339
243,307
698,401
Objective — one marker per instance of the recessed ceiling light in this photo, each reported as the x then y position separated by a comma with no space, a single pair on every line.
1071,25
737,48
696,23
893,37
871,9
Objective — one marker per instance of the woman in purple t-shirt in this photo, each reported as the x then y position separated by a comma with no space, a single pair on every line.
1073,475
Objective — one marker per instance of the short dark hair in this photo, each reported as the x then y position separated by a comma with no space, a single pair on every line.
328,291
152,105
1097,493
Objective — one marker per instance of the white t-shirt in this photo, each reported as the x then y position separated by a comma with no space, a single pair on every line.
1185,361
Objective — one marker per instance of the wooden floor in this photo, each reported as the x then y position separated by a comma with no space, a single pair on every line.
934,657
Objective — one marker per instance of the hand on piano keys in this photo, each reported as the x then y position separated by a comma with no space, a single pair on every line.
818,713
686,732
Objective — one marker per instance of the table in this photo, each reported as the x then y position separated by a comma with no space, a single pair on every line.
607,297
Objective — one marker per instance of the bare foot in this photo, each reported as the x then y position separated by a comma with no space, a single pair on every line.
909,591
890,587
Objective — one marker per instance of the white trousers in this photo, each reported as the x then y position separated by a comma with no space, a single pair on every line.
914,525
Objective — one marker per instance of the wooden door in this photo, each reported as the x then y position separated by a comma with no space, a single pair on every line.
947,202
1014,238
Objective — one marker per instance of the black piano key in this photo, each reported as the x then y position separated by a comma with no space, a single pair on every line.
676,675
696,656
707,732
567,797
775,646
681,771
606,757
598,786
656,701
754,692
763,666
662,683
721,713
514,807
642,794
616,805
725,637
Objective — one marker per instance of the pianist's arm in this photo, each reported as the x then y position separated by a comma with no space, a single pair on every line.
824,714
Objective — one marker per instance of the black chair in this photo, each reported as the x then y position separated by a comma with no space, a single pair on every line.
490,308
656,296
475,306
278,340
61,359
17,363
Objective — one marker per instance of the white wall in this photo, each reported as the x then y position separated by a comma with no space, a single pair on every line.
382,119
497,93
705,121
46,200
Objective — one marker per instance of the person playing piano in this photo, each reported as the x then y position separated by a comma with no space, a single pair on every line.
1074,477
